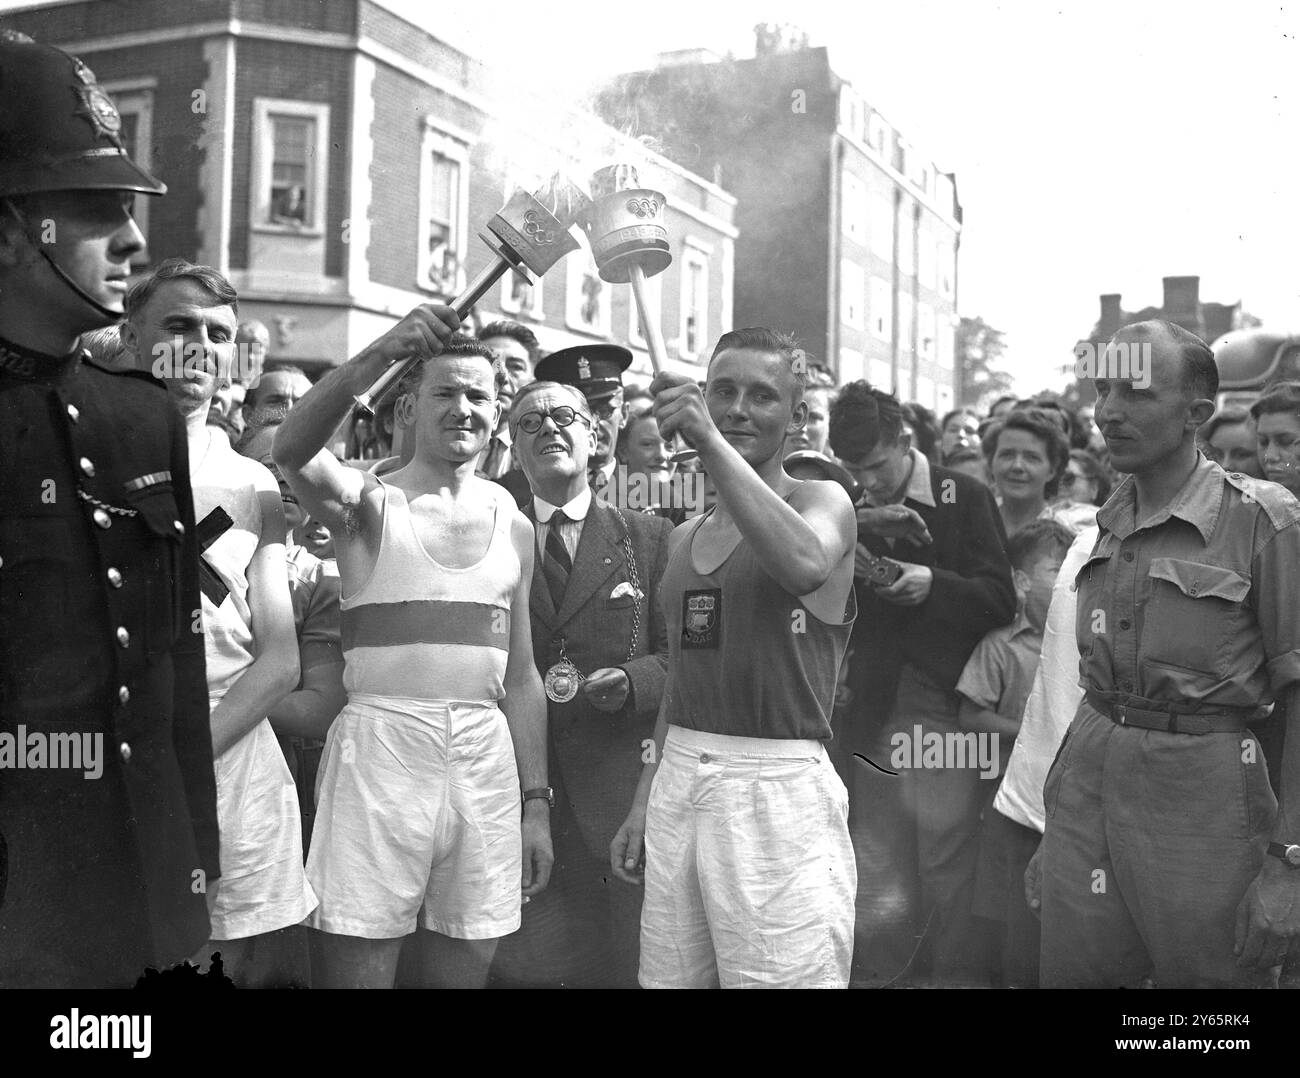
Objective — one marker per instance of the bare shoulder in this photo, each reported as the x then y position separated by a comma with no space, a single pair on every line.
824,496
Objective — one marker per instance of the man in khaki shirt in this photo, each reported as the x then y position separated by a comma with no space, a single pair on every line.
1166,854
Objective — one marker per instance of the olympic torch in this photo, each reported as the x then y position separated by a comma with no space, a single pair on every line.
629,241
528,235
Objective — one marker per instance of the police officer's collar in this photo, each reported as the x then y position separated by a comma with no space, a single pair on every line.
19,361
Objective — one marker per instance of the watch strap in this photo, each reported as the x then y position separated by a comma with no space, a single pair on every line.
1283,851
542,793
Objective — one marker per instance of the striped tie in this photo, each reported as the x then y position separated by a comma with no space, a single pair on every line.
556,563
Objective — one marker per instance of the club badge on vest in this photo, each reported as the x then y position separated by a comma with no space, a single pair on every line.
702,618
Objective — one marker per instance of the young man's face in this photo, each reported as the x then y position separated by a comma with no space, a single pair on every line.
187,335
90,235
751,400
515,357
960,432
882,471
817,428
280,389
553,452
456,408
1144,427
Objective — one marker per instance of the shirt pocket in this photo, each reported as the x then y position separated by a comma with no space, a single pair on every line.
162,547
1089,585
1193,613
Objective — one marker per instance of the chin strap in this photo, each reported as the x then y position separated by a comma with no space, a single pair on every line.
40,248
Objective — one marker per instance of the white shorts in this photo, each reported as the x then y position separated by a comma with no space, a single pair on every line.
417,808
263,886
750,878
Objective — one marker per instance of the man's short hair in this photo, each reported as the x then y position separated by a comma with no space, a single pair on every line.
250,395
1200,372
1036,540
1044,426
251,327
998,404
863,418
173,269
520,405
104,344
925,432
459,345
1280,397
761,339
516,331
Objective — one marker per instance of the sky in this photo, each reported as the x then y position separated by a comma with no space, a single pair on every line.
1098,146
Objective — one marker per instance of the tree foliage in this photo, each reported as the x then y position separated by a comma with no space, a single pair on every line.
979,349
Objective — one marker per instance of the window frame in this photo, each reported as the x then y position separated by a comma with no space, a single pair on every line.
435,138
695,252
265,110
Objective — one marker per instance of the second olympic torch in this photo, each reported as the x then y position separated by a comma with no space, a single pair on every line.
629,241
528,235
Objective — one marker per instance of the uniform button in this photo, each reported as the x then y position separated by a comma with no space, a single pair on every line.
1123,623
102,519
704,758
124,750
1128,555
87,466
1236,475
180,528
114,577
1195,587
1128,686
73,414
123,637
124,694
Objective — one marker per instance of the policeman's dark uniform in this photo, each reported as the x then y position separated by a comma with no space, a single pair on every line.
102,875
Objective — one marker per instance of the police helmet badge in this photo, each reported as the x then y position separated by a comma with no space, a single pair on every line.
584,369
96,106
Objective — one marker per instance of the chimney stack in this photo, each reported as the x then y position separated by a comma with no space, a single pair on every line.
1182,304
1111,314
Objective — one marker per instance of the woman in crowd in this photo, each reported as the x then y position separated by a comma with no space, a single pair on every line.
1084,487
1277,433
1027,454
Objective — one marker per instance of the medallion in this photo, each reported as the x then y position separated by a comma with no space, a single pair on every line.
562,681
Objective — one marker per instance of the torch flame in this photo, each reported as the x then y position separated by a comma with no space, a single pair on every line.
614,178
563,198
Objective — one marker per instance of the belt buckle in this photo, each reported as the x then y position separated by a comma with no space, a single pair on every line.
1121,718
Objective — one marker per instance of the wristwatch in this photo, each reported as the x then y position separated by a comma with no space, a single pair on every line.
1290,855
541,793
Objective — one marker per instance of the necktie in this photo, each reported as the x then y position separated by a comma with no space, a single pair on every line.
556,563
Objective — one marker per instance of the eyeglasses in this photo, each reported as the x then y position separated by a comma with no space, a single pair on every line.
562,415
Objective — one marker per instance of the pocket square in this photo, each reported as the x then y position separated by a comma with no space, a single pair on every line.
626,588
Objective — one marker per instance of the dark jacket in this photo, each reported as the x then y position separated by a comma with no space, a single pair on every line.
99,634
599,755
972,593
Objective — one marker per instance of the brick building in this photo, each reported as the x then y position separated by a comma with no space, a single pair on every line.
848,235
336,162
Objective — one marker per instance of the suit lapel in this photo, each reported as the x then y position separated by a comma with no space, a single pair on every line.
598,557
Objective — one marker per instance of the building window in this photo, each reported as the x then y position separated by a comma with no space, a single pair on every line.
880,375
947,270
924,391
877,132
853,293
586,296
943,398
852,366
290,152
135,106
926,331
904,322
444,215
853,208
927,256
882,227
945,344
906,238
520,298
695,301
881,310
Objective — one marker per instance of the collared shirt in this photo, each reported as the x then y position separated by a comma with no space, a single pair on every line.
918,488
1000,673
1197,603
575,509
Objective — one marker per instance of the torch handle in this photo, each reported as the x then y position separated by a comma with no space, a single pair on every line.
462,304
654,337
654,340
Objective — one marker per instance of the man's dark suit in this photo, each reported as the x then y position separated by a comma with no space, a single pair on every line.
915,832
595,757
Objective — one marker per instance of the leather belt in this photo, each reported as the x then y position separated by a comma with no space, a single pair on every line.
1207,722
